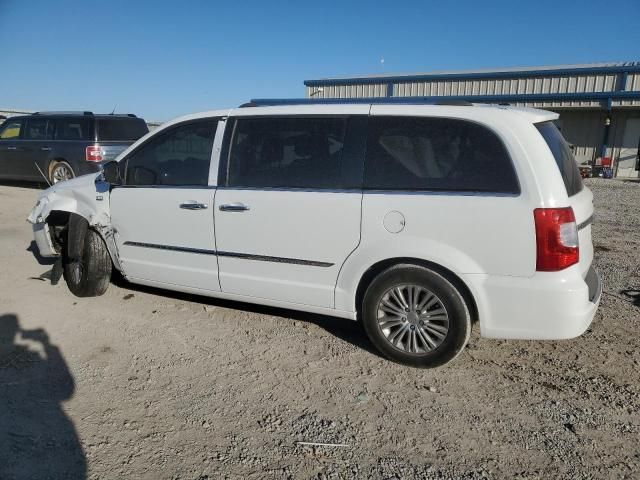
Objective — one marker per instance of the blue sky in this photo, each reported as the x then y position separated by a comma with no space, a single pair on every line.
160,59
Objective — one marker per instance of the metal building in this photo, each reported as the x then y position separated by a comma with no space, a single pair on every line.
599,104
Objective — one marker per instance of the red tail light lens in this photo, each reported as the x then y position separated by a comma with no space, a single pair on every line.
556,239
94,153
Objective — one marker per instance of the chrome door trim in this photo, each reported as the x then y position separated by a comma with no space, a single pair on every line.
243,256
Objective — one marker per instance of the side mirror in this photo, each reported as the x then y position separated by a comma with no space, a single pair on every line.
111,173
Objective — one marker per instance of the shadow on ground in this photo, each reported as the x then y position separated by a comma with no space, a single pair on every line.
346,330
633,295
23,184
37,439
33,248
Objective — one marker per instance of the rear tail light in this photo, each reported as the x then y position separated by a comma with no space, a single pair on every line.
94,153
556,239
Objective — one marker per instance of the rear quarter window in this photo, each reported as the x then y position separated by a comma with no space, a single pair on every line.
73,128
121,129
441,154
563,155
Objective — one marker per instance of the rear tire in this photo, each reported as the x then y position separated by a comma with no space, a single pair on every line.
415,316
60,171
87,264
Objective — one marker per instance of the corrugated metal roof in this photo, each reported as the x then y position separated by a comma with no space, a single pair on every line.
494,72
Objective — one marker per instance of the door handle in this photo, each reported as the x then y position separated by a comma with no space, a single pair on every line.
193,205
234,207
45,149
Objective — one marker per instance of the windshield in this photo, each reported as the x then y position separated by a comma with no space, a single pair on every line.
563,155
123,129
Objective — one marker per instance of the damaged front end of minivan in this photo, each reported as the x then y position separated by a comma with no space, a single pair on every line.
81,203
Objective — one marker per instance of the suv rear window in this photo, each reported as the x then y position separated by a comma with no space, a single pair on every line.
564,157
422,153
127,129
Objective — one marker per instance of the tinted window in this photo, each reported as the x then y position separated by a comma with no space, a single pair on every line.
180,156
128,129
39,129
73,129
564,157
413,153
287,152
11,129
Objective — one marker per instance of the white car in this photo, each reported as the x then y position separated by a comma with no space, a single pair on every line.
416,220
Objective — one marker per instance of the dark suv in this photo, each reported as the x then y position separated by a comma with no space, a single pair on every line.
63,145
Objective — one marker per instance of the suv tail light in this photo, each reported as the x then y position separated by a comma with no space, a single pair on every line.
556,239
94,153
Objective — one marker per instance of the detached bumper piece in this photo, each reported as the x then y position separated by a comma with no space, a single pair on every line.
594,283
43,240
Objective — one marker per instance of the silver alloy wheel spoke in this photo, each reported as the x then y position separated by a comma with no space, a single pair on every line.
412,319
388,307
61,173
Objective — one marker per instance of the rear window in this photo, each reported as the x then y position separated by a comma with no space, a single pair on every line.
73,128
563,155
421,153
126,129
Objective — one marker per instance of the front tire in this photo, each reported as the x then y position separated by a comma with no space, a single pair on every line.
415,316
87,264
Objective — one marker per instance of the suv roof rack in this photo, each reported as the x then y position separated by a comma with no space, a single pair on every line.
271,102
86,112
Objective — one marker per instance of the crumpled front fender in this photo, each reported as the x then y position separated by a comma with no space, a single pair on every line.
86,196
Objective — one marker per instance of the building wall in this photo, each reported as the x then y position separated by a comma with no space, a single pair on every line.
582,121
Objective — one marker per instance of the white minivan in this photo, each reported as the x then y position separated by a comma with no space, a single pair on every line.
417,220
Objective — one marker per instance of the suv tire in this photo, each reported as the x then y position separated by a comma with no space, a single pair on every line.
415,316
60,171
87,264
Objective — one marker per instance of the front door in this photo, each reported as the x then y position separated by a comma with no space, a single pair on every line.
287,211
11,147
163,214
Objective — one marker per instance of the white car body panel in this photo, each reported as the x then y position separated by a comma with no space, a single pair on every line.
149,221
317,230
486,241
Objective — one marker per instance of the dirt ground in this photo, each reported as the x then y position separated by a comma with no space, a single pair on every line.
144,383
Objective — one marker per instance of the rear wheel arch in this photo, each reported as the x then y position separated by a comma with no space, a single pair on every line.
376,269
55,162
52,163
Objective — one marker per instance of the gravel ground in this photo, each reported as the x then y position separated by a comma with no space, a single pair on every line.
143,383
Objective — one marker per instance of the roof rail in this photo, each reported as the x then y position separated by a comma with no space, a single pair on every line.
64,113
265,102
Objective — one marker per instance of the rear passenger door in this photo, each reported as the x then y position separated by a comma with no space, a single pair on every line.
37,147
287,209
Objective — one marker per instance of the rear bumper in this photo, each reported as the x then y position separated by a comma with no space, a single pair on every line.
547,306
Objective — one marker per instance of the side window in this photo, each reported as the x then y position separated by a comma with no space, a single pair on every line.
287,152
180,156
419,153
73,129
38,129
11,129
